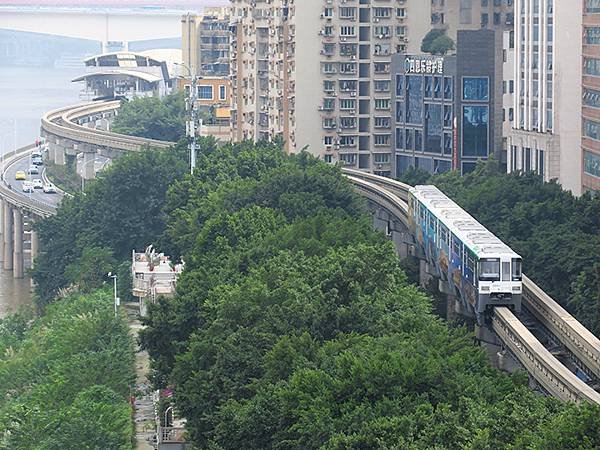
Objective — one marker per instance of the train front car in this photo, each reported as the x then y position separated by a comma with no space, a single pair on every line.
475,265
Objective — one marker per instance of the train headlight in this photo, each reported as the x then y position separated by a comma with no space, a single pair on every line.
485,288
516,288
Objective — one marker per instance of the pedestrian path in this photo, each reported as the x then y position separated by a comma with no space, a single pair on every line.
145,430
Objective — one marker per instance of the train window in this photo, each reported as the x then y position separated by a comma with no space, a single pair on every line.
506,276
456,246
422,212
489,269
517,275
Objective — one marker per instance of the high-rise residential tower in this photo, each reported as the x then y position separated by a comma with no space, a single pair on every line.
591,97
546,136
316,73
454,15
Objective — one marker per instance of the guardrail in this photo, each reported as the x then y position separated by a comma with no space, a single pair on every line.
539,362
17,199
578,339
67,129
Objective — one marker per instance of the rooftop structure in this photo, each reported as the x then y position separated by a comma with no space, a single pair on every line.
153,275
128,75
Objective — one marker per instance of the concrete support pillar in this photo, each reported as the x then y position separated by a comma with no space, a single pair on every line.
51,152
59,153
88,171
8,236
34,246
18,271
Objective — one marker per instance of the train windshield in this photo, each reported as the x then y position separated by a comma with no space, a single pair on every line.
516,269
489,269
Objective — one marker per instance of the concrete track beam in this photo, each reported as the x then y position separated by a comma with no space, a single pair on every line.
8,236
18,270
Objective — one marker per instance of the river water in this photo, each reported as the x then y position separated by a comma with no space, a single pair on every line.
25,95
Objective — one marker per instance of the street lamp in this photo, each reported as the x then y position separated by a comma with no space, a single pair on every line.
194,124
117,299
83,166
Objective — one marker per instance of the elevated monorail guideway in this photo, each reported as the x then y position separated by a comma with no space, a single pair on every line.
583,344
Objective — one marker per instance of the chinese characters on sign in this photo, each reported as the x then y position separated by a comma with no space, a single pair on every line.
429,65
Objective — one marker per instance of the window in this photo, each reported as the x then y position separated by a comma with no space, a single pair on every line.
414,112
205,92
591,129
222,92
476,89
592,35
400,85
475,131
591,97
506,274
517,275
381,158
489,269
591,163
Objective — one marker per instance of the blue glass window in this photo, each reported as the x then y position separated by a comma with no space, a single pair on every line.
399,112
399,138
476,89
475,127
433,128
400,85
591,163
591,129
447,88
414,103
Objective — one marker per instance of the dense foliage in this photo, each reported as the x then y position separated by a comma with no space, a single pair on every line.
294,326
153,118
65,377
122,210
557,234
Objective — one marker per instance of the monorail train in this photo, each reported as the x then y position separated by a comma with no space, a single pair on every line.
482,270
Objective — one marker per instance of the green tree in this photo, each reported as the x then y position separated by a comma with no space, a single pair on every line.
89,271
430,37
441,46
153,118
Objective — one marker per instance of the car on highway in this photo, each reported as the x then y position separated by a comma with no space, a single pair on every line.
36,154
37,161
33,170
37,184
27,186
49,188
20,175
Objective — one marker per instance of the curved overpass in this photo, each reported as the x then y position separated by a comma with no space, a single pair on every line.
66,127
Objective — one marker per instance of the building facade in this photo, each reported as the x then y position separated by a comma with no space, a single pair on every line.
316,74
591,97
127,75
448,110
206,41
547,131
454,15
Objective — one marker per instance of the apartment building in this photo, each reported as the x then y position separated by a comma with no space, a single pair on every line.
454,15
448,110
591,97
547,131
316,73
206,42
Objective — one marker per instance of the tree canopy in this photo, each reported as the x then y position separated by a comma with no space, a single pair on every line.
152,118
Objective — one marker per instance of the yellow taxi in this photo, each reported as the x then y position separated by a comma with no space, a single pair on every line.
20,175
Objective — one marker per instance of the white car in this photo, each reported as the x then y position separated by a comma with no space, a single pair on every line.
33,170
27,186
49,188
37,184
